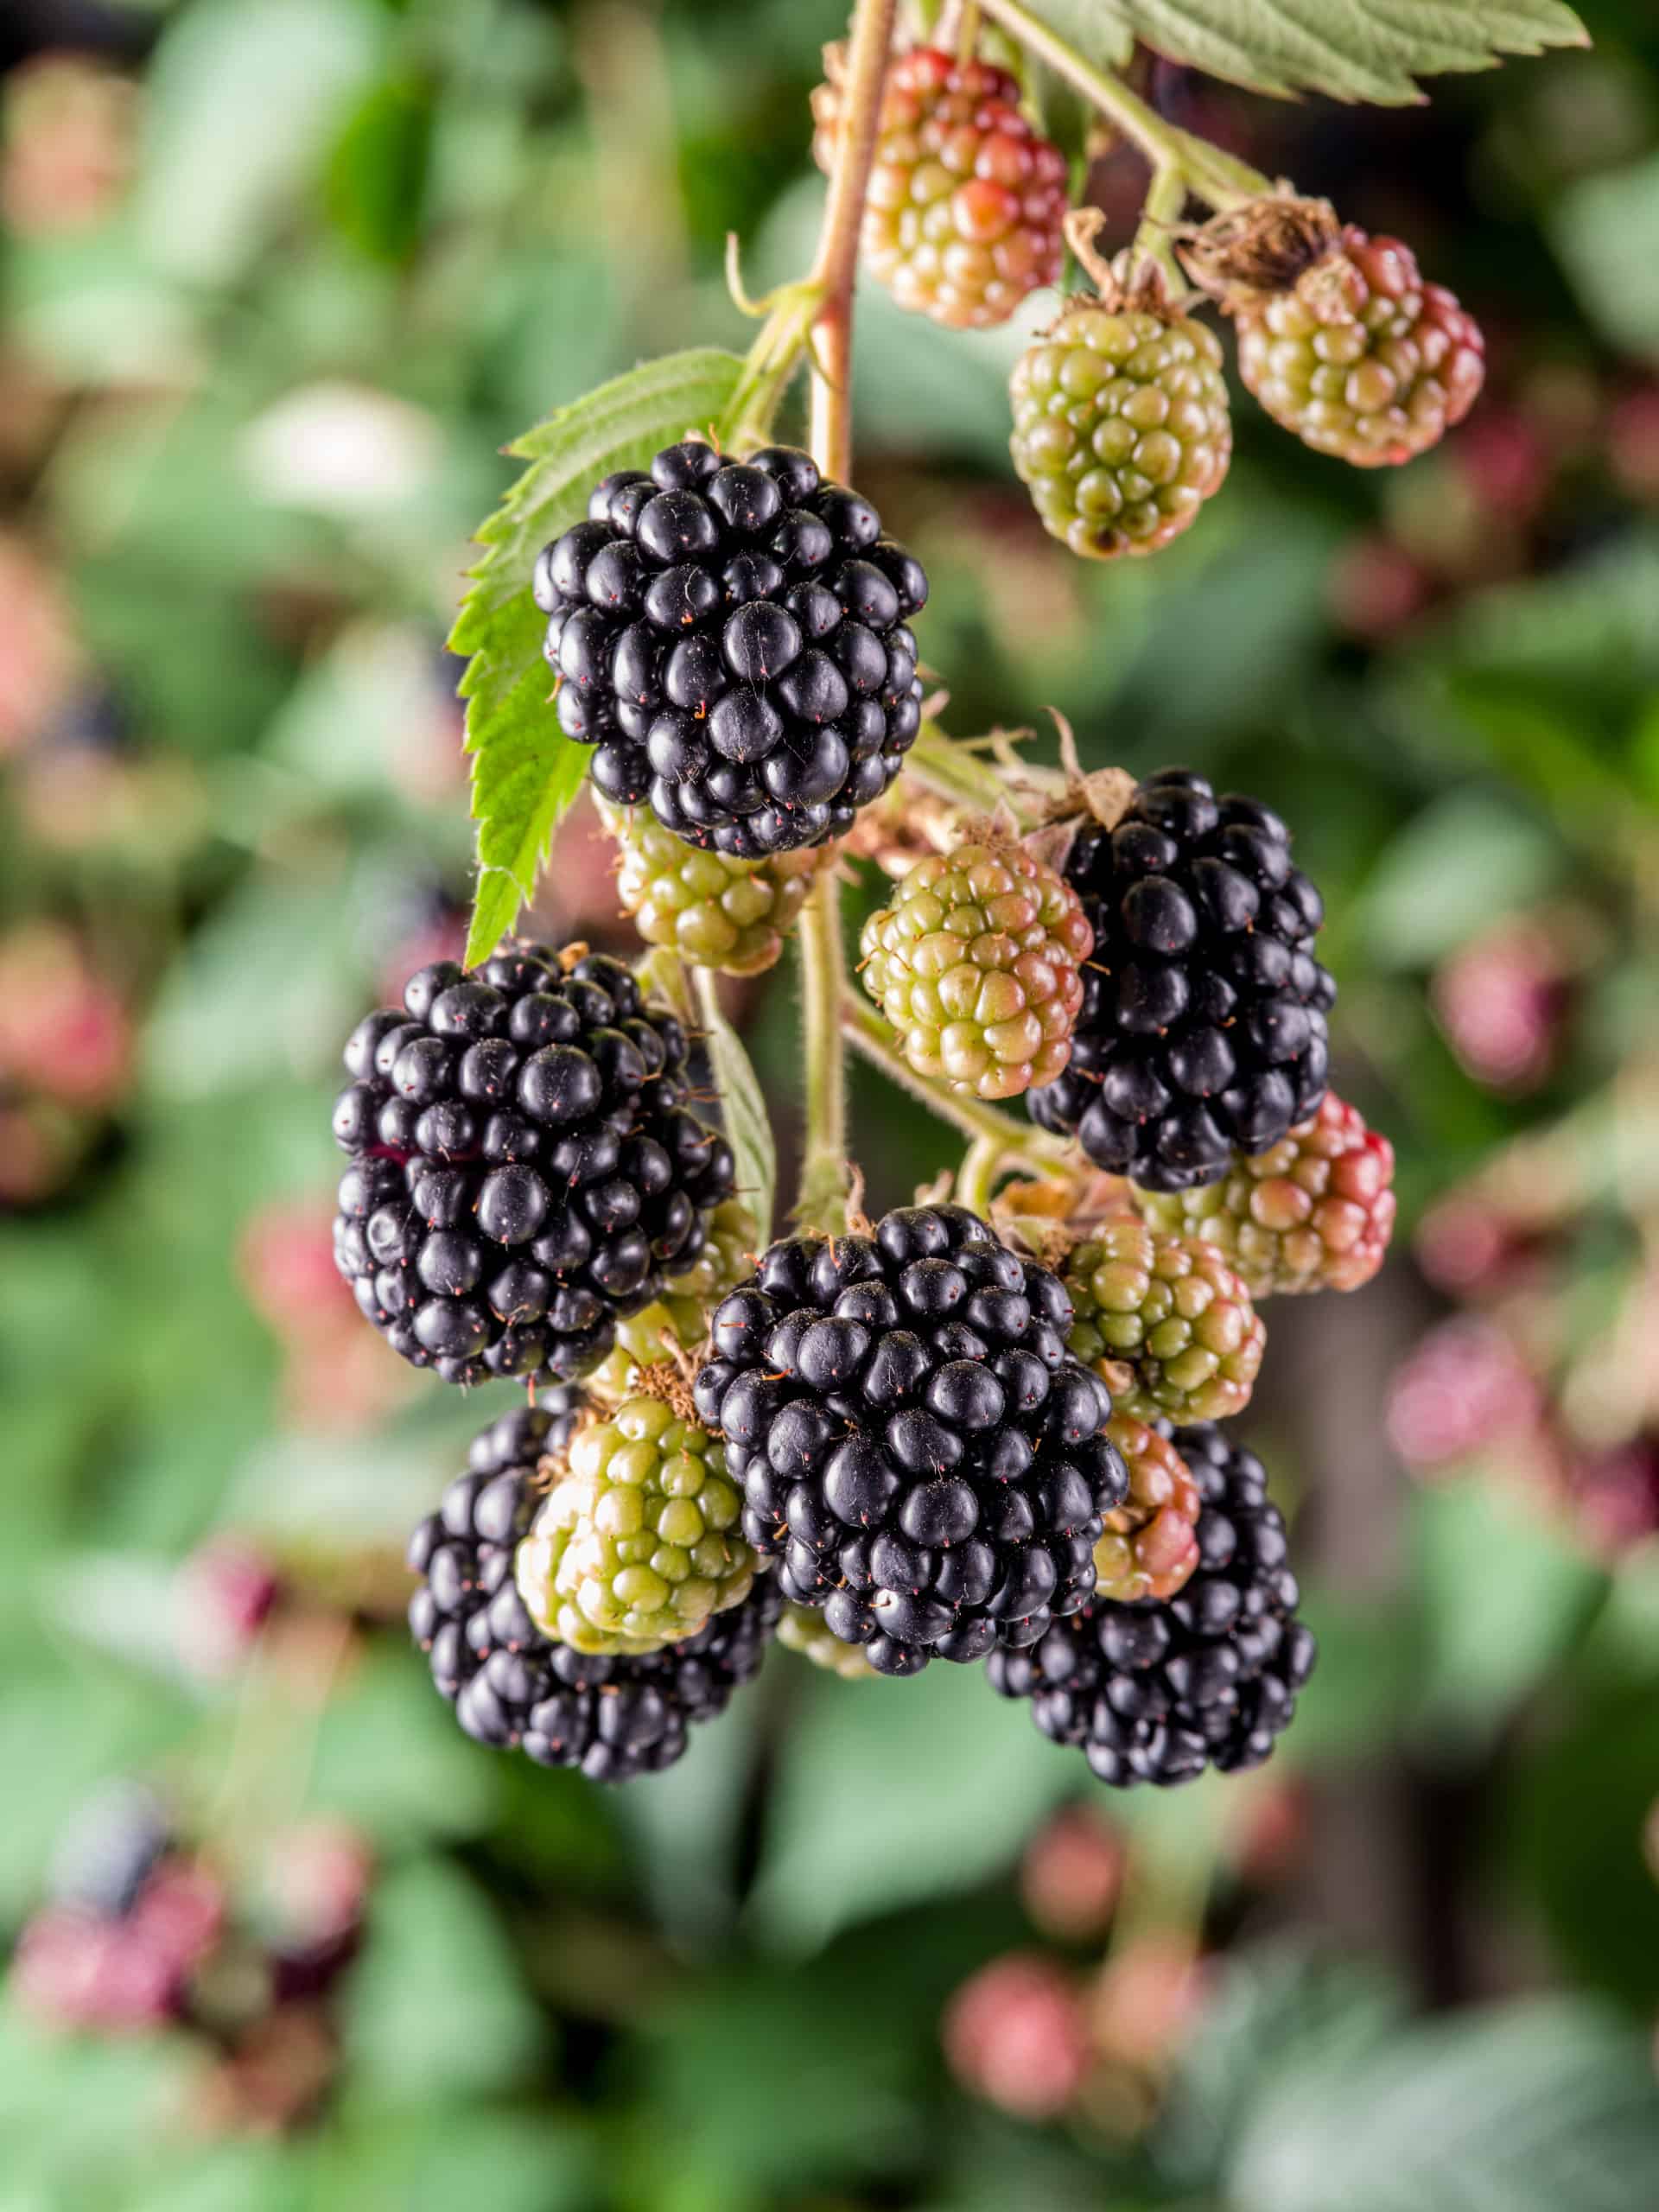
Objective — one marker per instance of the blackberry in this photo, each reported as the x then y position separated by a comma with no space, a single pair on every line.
1121,427
614,1718
1315,1212
974,961
966,202
1157,1691
110,1849
1339,336
636,1544
1150,1547
1203,1027
727,914
732,639
803,1631
918,1449
1166,1321
524,1171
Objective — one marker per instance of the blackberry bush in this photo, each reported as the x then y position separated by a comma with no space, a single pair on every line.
974,961
524,1168
1166,1321
918,1449
966,201
1203,1028
1315,1212
732,638
1157,1691
728,914
637,1543
513,1688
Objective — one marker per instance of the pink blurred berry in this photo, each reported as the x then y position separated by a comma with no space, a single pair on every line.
1465,1245
223,1595
1146,1997
1014,2034
1500,1003
1616,1494
1633,443
1070,1875
1377,588
286,1261
1463,1389
64,1033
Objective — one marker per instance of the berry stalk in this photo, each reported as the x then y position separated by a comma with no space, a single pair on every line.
1210,175
822,1198
874,1040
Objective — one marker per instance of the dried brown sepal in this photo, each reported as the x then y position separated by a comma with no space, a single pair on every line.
1281,244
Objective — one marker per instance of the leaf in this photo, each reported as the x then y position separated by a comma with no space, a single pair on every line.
1605,230
1351,49
437,2007
1094,29
1504,1595
743,1105
525,770
1460,864
1535,2108
961,1778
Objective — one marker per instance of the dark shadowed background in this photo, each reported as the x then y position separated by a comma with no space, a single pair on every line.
277,279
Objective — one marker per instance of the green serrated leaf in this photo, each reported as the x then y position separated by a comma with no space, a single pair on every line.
748,1125
525,770
1351,49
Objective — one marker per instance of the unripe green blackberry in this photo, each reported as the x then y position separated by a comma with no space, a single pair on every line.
1339,336
678,1320
1121,425
1150,1546
1166,1321
638,1542
803,1631
964,214
1314,1213
974,961
723,912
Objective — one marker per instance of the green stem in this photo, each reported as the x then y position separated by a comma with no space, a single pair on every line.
822,1202
876,1041
965,778
769,367
1211,176
976,1177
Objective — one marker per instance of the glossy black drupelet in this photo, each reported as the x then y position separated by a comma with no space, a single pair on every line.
1203,1028
731,638
524,1169
1156,1692
512,1687
917,1447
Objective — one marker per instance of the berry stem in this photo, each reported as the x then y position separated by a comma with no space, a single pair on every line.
957,773
822,1202
874,1039
836,266
770,362
976,1177
1211,176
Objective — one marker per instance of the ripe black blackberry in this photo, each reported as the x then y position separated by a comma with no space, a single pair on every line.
511,1687
110,1849
917,1447
731,638
1203,1028
524,1171
1158,1690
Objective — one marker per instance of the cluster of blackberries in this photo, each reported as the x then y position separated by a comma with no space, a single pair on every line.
512,1687
919,1450
1157,1691
1202,1030
731,638
524,1169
